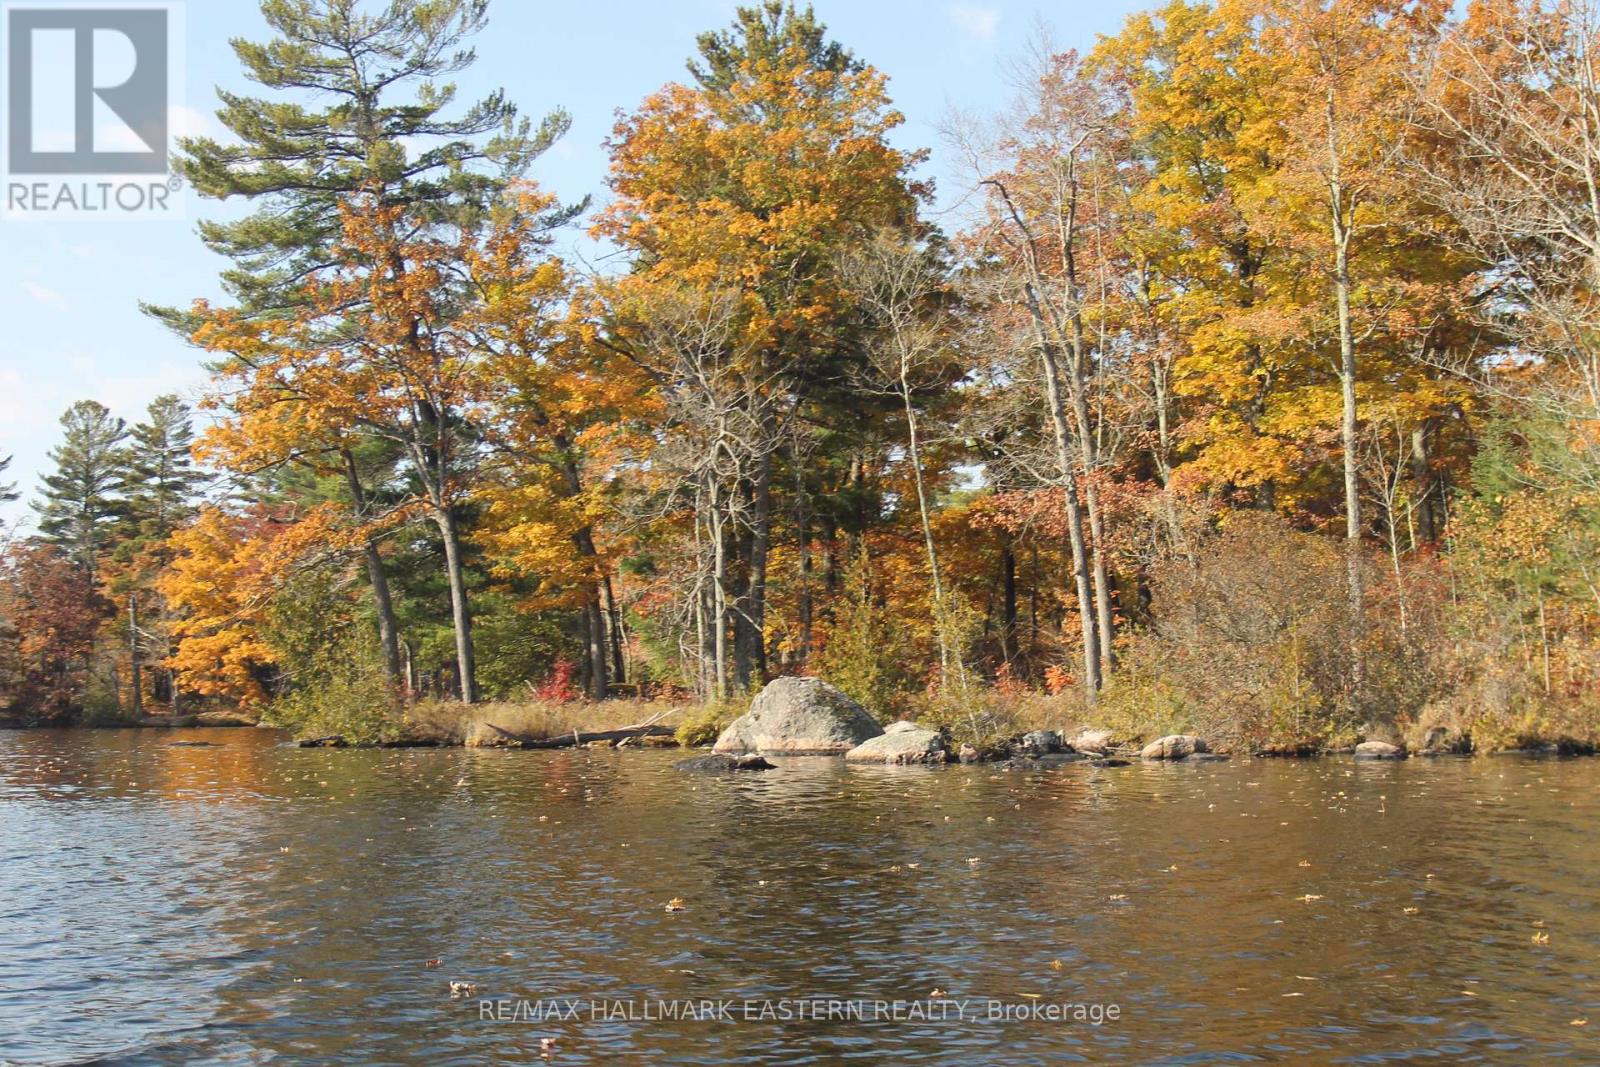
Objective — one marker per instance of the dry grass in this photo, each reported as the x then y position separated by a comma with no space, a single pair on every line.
450,723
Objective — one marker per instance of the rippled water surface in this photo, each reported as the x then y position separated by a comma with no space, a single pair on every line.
252,903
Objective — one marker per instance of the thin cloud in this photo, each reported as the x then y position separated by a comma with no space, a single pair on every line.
977,23
43,294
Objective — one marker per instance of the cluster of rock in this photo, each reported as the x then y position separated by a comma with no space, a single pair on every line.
809,717
1180,747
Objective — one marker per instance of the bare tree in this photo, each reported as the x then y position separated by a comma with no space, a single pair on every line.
722,427
898,286
1042,164
1511,149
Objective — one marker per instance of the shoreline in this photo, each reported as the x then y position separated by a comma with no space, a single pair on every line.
1012,757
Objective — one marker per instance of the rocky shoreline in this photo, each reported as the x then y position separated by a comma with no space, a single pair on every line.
797,716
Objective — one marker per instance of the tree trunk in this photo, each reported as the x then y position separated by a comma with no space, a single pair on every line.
1347,429
941,621
1008,577
618,666
719,593
750,649
1339,211
1080,562
596,661
1422,478
134,667
382,603
460,612
1097,539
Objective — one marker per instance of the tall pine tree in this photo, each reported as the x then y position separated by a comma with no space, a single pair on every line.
357,110
81,503
161,482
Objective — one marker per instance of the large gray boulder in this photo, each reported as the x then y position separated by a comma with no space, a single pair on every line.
908,744
799,717
1174,746
1379,750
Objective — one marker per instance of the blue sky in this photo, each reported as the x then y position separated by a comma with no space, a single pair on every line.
69,291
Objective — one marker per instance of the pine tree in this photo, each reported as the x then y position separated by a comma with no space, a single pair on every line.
161,482
358,113
81,504
378,125
8,490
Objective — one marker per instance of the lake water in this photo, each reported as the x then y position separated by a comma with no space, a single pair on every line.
252,903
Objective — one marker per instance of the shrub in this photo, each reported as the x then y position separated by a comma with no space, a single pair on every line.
868,656
1253,645
701,725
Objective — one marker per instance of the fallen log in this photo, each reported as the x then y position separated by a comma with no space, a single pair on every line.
578,738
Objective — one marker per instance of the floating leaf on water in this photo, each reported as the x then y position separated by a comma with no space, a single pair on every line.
1304,863
431,964
1056,965
936,994
1309,897
676,904
462,989
1540,938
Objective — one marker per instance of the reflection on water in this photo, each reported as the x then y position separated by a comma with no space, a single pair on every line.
246,902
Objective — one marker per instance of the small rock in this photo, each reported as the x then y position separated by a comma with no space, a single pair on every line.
1173,747
1040,742
900,746
1379,750
1091,741
1385,732
968,754
602,743
900,726
1109,761
718,762
1045,762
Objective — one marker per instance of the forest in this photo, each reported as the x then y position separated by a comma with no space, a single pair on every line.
1256,393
